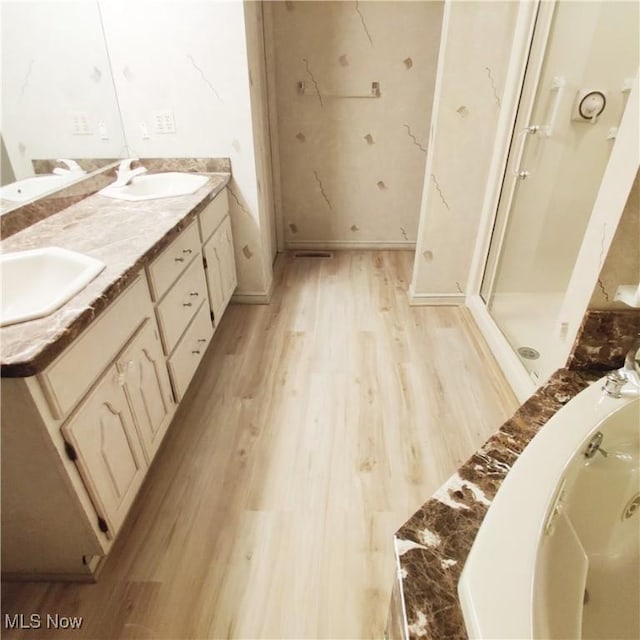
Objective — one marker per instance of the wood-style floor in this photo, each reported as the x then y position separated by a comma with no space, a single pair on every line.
314,428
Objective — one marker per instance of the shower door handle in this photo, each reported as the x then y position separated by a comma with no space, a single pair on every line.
532,129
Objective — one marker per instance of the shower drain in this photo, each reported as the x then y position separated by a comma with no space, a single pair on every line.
632,507
529,353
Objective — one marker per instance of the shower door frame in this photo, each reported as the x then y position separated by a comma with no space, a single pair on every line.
527,55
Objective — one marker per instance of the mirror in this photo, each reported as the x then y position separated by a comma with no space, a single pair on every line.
58,96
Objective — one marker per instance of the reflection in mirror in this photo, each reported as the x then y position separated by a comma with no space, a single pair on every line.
58,97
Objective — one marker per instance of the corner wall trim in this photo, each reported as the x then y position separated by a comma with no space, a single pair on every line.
254,297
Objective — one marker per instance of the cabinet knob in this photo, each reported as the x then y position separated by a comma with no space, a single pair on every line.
187,304
179,259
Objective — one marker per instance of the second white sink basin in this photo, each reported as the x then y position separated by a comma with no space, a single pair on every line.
37,282
156,185
29,188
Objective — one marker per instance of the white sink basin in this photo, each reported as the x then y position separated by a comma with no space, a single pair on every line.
156,185
37,282
29,188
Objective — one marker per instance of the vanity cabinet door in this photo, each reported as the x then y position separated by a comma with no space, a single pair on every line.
221,268
107,450
146,384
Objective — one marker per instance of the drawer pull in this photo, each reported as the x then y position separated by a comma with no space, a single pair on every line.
202,339
196,351
187,251
179,259
187,304
194,293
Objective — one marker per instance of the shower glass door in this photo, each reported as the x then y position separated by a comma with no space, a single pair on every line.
570,107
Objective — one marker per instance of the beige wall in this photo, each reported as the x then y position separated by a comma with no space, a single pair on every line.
622,265
475,56
351,170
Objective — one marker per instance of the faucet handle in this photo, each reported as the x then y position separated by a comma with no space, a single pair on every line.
71,165
125,165
613,384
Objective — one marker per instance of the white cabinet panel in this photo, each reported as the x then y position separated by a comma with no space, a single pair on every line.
213,214
221,268
147,387
108,452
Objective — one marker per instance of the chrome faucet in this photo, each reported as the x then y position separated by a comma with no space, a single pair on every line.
125,173
626,380
72,168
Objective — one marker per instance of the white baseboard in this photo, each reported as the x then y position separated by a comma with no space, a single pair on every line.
337,245
434,299
254,297
514,371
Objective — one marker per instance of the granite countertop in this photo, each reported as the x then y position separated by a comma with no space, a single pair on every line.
433,545
124,235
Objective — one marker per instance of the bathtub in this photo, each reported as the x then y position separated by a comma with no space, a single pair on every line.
558,553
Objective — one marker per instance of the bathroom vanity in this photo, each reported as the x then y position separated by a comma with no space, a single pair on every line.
89,391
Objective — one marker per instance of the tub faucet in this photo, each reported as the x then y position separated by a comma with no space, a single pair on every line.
72,168
626,380
125,173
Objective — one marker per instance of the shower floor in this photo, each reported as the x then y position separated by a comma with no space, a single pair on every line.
528,320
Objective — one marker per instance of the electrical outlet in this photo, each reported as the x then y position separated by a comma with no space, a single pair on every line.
80,123
144,131
163,121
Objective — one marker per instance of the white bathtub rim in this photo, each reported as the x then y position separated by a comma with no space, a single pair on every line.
497,582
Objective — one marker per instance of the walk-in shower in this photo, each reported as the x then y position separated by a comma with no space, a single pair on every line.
576,87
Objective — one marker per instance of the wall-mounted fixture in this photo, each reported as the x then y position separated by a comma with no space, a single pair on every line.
589,105
301,90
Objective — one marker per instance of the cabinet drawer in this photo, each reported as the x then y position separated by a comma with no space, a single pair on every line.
181,303
186,358
68,377
211,217
166,268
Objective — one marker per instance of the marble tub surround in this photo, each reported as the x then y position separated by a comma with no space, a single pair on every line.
22,216
604,339
124,235
87,164
433,544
